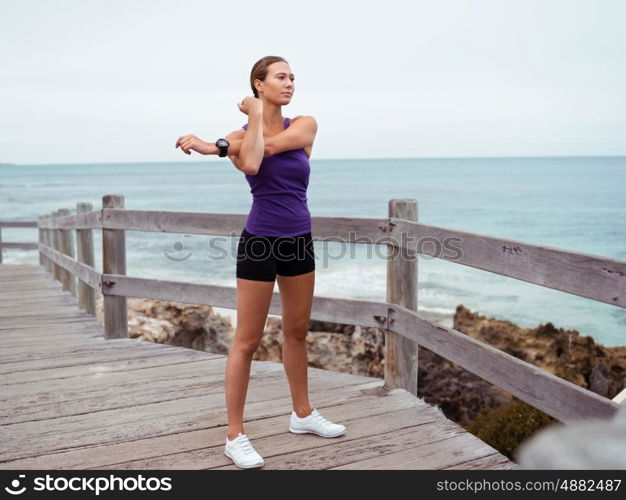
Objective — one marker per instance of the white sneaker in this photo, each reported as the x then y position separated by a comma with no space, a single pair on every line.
315,424
240,451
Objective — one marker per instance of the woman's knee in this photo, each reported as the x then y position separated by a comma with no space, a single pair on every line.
247,346
295,331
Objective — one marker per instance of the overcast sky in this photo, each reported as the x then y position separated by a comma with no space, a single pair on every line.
116,81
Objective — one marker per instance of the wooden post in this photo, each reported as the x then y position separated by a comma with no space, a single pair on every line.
56,244
47,238
85,255
0,244
42,258
67,247
114,262
400,352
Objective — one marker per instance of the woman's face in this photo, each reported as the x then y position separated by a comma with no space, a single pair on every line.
278,86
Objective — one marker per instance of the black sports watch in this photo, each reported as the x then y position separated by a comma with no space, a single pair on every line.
223,145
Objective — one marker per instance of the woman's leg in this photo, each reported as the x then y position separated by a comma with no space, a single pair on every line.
253,302
296,295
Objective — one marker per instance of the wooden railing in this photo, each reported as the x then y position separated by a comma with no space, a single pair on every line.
590,276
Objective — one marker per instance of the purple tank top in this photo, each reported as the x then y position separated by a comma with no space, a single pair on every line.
279,204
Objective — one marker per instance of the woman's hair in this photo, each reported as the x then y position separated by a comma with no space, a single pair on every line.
259,70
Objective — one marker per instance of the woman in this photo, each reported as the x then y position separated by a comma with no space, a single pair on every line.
275,244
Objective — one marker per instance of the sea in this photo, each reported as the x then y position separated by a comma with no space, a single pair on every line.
572,203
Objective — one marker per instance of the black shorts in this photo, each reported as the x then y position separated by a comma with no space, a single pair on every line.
261,258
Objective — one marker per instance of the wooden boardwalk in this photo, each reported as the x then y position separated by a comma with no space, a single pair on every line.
71,399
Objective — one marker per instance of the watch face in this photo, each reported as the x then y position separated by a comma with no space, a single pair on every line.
221,143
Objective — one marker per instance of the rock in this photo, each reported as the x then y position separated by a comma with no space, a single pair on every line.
186,325
564,353
599,381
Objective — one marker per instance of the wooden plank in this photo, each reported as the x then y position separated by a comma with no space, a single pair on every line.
114,365
363,417
37,277
34,295
8,271
147,420
87,220
201,377
563,400
458,447
374,434
621,397
85,273
26,314
186,445
32,331
44,300
18,223
93,378
495,461
64,311
52,325
26,320
92,345
342,229
42,283
356,312
103,356
15,244
25,343
586,275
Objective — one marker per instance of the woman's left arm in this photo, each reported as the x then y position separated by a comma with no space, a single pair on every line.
300,134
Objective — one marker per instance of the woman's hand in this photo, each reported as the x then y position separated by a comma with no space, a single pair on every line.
188,142
250,104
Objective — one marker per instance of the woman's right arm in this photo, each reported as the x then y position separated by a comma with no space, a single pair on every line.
253,147
235,139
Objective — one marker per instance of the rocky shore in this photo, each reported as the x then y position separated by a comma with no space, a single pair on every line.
358,350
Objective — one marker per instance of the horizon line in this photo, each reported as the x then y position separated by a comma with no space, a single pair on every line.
2,164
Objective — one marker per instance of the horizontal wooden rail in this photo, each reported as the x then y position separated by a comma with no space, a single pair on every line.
23,246
347,311
83,272
86,220
587,275
17,223
557,397
346,229
620,398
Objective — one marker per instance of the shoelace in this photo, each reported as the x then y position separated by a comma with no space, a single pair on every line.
245,444
325,423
